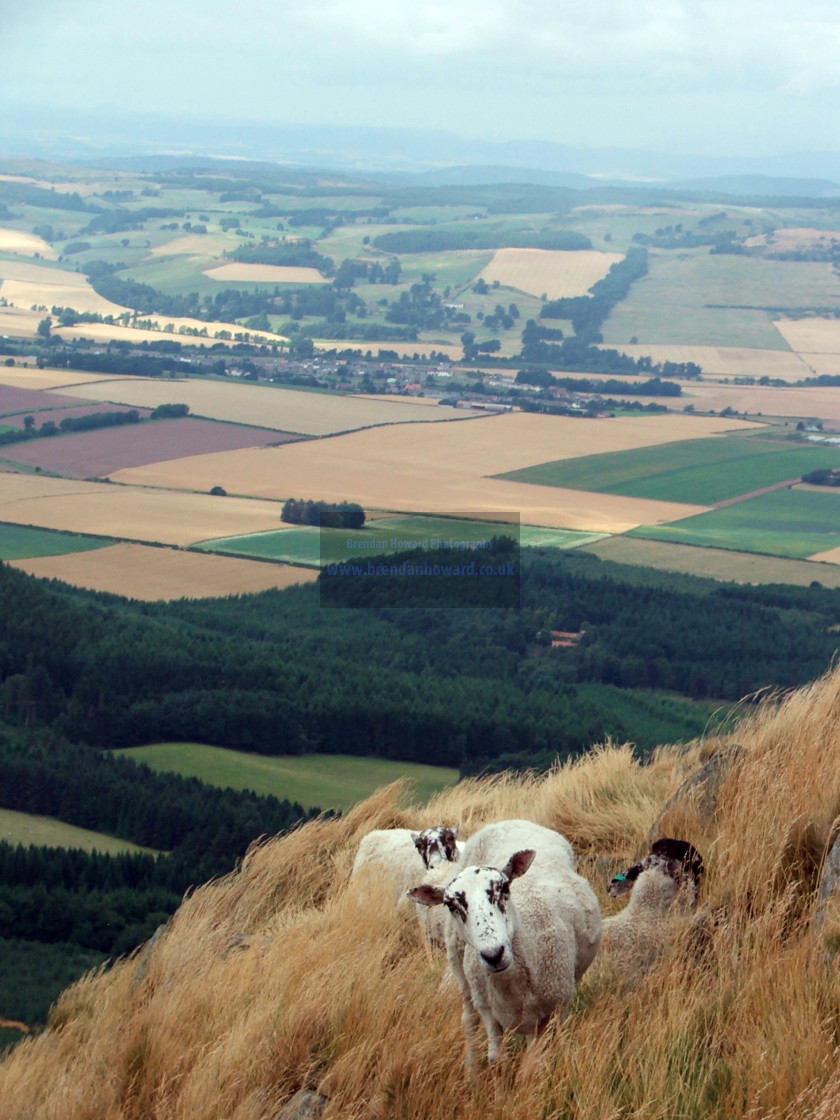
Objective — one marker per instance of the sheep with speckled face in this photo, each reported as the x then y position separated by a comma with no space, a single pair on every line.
518,939
401,855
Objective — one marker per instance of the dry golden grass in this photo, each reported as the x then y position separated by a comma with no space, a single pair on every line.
27,244
443,467
265,274
267,406
140,572
137,514
550,272
281,976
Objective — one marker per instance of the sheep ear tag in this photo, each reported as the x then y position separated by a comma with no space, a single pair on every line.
620,878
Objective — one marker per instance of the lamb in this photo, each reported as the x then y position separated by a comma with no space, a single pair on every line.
663,889
677,858
516,944
400,855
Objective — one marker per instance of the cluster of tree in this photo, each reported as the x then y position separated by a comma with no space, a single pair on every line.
118,221
329,515
587,313
86,423
298,254
823,477
28,195
113,361
441,239
422,307
547,346
653,387
370,272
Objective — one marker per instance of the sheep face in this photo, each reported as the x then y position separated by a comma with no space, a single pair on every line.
676,858
478,899
436,845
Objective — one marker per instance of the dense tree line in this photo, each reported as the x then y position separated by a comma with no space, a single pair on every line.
331,515
432,239
299,254
587,313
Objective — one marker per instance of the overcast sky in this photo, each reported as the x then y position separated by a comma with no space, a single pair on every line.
696,76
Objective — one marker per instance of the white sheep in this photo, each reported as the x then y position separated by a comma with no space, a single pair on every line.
516,944
659,903
400,856
495,842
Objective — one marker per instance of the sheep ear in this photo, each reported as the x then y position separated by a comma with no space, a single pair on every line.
454,830
519,863
426,894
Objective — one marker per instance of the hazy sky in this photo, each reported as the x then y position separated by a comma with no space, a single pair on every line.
695,76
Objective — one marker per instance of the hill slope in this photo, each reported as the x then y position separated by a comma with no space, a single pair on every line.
278,976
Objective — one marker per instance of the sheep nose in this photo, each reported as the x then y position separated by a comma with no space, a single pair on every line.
493,957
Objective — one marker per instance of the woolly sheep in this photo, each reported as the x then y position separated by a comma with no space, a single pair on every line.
677,858
495,842
659,902
516,944
401,855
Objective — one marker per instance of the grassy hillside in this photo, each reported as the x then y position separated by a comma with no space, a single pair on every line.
280,976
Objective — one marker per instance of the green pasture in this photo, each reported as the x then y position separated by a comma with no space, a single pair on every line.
701,472
314,780
19,542
47,832
791,522
311,547
671,303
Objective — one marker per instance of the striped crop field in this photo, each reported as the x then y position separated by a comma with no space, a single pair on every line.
319,781
314,547
701,472
797,522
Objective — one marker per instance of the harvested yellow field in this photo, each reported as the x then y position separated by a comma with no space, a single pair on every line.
832,556
548,271
141,572
794,402
267,406
17,241
265,274
193,245
726,361
792,239
18,322
715,563
443,468
26,284
134,514
811,336
34,378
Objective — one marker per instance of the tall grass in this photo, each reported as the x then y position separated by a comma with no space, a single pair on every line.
282,975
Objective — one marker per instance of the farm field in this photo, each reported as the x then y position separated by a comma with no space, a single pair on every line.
130,513
413,468
267,406
15,399
27,244
553,273
308,545
314,780
47,379
100,452
795,522
47,832
42,415
671,304
728,361
794,401
18,542
700,471
140,572
719,563
237,272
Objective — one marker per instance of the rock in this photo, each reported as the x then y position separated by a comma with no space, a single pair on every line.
304,1105
702,786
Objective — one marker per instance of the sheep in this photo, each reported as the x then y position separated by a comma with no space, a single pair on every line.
516,944
494,842
663,888
400,855
677,858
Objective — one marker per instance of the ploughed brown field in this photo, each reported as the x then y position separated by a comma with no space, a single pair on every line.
16,401
101,452
141,572
56,415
